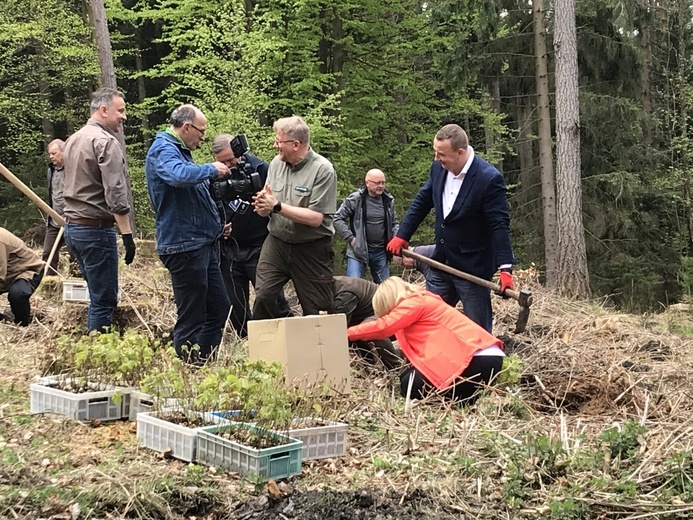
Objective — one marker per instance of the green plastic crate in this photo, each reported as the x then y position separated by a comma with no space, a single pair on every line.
276,462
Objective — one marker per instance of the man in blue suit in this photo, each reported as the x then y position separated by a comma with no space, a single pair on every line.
472,229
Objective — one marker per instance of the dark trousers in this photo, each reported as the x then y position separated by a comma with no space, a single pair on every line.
48,242
481,371
96,250
19,294
201,301
476,300
308,265
239,269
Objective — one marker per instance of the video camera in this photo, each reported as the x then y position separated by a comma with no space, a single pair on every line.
244,181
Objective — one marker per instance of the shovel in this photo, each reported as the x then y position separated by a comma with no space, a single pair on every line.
523,297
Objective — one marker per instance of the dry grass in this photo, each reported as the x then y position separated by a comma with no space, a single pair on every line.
532,450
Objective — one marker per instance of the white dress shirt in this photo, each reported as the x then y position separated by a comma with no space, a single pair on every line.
453,183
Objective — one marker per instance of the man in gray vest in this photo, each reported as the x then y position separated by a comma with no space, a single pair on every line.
301,198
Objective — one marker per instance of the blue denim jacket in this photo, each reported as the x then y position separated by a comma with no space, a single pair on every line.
186,216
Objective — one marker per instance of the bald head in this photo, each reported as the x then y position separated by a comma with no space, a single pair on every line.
375,182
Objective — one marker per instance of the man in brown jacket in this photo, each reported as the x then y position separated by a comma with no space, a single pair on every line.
97,195
354,297
20,274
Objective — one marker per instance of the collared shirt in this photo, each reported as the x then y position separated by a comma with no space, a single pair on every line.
453,183
310,183
96,183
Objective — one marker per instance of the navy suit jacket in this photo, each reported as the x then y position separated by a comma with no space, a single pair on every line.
475,236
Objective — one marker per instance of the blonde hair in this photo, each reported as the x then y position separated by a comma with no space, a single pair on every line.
390,293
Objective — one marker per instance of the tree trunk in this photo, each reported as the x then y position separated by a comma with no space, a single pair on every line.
682,21
645,30
573,279
548,186
496,106
141,97
528,175
102,40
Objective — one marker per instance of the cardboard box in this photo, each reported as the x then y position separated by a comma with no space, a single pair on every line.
310,348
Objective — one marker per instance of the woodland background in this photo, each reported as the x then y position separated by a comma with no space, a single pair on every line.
375,80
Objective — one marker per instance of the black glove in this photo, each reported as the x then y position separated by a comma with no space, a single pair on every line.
130,248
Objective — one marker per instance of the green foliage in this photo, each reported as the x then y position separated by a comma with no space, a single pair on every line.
567,509
254,387
679,475
122,360
623,440
511,373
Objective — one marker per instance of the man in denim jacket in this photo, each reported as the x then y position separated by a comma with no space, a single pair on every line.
188,228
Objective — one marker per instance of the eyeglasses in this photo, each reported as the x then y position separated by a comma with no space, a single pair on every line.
202,132
379,183
277,141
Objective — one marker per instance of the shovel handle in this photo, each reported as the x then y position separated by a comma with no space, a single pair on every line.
27,191
460,274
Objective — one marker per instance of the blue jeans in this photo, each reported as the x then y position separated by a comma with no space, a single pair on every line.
377,261
476,300
96,250
201,301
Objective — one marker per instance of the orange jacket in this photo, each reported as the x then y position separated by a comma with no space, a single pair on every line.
437,339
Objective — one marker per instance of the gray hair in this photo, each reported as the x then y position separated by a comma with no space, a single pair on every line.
183,114
59,142
293,127
458,137
221,142
104,96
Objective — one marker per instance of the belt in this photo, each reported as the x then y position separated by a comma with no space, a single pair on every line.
93,222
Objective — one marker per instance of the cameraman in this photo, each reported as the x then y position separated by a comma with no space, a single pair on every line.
188,228
240,251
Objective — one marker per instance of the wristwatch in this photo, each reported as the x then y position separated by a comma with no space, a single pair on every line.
277,207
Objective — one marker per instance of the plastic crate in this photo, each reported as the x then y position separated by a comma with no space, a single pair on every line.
321,442
75,291
141,403
276,462
98,404
158,434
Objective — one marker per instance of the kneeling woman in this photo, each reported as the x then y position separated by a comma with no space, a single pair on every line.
446,349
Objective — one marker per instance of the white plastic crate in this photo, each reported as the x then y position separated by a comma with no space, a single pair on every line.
98,404
75,291
321,442
140,403
276,462
158,435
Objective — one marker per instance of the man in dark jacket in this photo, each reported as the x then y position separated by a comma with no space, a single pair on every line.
56,200
188,228
472,227
240,249
370,212
354,297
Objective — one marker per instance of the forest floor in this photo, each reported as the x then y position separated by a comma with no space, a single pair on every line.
595,420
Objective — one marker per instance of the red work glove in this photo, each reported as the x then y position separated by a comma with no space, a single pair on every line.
506,281
395,246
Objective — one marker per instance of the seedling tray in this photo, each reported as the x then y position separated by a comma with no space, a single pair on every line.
159,435
98,404
276,462
75,291
321,442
